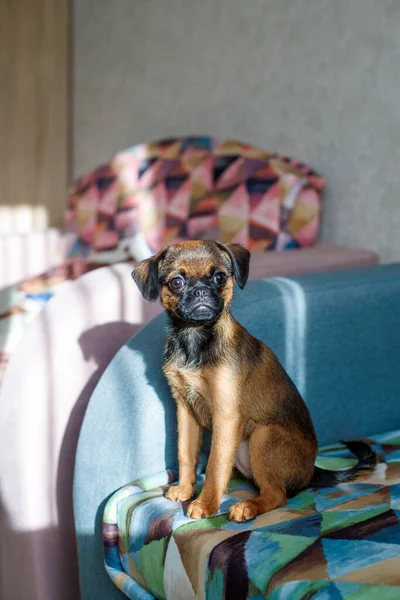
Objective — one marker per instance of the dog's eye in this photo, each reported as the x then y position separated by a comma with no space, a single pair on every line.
176,283
220,278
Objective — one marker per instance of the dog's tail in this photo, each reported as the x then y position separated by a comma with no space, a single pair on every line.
367,460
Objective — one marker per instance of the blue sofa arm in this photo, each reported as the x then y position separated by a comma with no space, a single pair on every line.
337,334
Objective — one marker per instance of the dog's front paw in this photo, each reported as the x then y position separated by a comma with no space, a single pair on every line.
200,509
180,493
243,511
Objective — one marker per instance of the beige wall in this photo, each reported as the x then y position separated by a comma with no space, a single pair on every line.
33,113
317,79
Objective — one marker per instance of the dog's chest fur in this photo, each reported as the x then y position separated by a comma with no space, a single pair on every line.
191,386
192,348
190,366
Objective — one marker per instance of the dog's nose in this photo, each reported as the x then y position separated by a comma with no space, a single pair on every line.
202,292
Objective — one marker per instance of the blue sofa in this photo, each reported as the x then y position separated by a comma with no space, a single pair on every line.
338,336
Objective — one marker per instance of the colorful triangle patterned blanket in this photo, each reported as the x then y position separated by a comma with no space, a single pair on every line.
342,542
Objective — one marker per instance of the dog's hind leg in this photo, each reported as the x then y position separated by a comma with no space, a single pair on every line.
281,462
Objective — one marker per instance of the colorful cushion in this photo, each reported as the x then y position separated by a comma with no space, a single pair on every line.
341,542
194,188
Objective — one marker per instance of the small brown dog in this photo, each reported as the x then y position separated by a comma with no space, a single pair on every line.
225,379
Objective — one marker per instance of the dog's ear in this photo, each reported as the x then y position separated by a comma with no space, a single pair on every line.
145,275
240,258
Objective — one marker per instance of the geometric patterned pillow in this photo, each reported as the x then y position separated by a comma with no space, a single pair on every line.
195,188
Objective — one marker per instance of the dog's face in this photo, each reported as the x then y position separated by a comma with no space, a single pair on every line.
194,280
